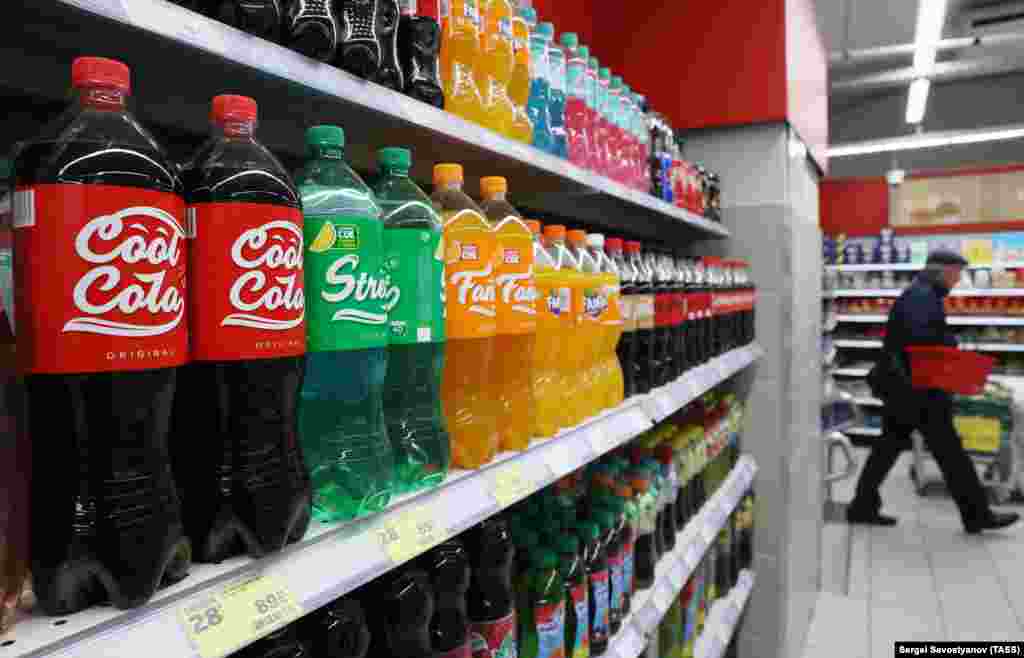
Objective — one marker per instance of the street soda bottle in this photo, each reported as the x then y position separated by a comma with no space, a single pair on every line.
491,600
311,28
414,262
578,143
517,316
519,83
419,47
100,264
460,55
469,390
338,630
341,412
400,606
245,484
538,107
498,61
553,303
626,347
448,567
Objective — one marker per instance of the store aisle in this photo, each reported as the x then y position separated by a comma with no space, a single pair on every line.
921,580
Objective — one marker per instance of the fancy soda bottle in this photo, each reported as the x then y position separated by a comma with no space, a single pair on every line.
312,28
469,391
258,17
413,261
341,418
245,485
517,315
419,48
100,263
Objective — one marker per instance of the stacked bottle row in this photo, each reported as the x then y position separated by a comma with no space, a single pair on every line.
675,180
556,574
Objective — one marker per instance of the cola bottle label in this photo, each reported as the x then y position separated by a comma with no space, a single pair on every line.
250,299
100,284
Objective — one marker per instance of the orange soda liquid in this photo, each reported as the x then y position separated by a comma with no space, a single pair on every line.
519,83
468,394
460,58
612,383
497,59
517,316
571,343
591,331
553,302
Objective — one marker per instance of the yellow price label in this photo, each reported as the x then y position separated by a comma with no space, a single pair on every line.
238,614
410,533
510,484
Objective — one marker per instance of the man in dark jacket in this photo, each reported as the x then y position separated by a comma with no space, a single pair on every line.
919,318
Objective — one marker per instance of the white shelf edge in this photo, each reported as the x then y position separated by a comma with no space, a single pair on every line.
868,402
302,567
724,618
961,320
911,267
851,372
193,30
691,545
863,431
863,344
992,347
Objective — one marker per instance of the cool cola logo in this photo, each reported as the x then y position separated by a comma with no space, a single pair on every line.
358,289
262,293
518,291
473,290
133,250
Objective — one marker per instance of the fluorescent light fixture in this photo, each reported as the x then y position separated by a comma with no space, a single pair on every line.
931,16
927,141
917,99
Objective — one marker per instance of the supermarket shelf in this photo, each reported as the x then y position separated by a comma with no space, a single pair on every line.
851,372
181,59
962,320
959,292
724,617
911,267
866,344
334,559
864,431
673,570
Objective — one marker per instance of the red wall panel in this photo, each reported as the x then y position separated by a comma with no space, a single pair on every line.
854,206
569,16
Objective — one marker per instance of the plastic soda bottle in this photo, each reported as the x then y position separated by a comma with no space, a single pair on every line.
491,600
100,264
245,484
419,45
519,83
616,145
539,105
553,302
595,559
604,137
498,61
413,261
460,57
282,643
400,607
626,346
338,630
569,283
592,89
448,567
341,418
469,391
557,72
643,311
517,315
545,636
577,604
592,305
578,143
611,321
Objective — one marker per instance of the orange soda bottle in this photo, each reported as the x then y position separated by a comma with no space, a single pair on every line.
460,57
570,283
497,58
587,296
519,83
517,316
553,302
467,392
612,384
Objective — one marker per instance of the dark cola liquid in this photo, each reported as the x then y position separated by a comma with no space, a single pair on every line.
419,45
242,478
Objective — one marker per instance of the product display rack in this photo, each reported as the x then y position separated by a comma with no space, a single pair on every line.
724,618
895,292
912,267
181,59
334,559
961,320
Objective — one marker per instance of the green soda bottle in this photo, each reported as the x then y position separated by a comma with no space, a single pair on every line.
414,261
341,413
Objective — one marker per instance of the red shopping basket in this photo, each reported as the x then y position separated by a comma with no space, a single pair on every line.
947,368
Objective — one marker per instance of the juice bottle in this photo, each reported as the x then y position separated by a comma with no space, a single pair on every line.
588,299
498,62
519,84
553,302
545,636
577,604
468,388
578,143
517,316
414,261
593,87
538,107
611,319
557,78
569,284
460,58
491,599
595,560
341,419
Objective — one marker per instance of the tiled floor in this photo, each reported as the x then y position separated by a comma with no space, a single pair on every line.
921,580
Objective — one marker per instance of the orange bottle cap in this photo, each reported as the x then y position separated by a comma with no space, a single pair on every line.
533,225
577,236
554,232
491,186
445,174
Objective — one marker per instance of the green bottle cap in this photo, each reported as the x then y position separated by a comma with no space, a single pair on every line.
616,81
544,558
567,544
605,73
394,157
584,52
325,136
588,530
570,39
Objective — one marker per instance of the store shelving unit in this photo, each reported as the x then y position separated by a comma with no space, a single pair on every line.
913,267
334,559
863,344
961,320
959,292
180,60
867,432
723,619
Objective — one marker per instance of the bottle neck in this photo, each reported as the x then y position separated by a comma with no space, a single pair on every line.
495,196
235,128
320,152
395,172
455,186
103,98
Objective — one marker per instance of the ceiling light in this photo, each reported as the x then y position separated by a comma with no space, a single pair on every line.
927,140
931,17
917,99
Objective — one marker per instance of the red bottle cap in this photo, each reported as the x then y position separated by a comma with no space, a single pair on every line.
227,107
632,247
613,244
100,72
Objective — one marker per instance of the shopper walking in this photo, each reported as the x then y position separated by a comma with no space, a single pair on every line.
919,318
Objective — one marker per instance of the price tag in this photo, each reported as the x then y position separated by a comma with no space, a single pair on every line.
238,614
558,455
662,597
510,484
410,533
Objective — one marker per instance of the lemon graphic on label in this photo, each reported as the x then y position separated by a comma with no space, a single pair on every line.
324,239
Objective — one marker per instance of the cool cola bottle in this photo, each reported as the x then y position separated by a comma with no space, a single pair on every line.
237,463
342,414
100,257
